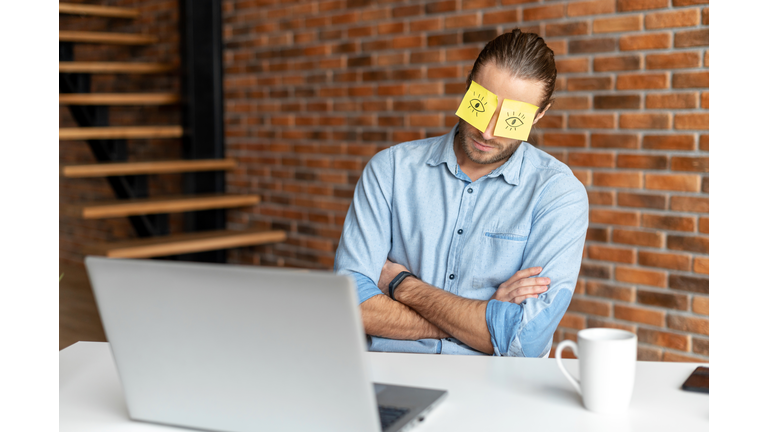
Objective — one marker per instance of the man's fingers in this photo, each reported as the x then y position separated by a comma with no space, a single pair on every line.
521,275
532,281
520,299
521,284
525,283
524,273
533,289
509,295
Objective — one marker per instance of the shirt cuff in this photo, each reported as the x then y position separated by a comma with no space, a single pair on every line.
365,287
503,320
511,338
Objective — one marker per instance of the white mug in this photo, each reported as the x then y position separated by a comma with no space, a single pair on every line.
607,360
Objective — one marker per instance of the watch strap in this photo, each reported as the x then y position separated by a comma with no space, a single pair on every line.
396,281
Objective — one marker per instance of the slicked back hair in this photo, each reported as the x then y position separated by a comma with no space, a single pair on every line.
525,56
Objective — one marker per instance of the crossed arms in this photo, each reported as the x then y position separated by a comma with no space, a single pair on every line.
422,311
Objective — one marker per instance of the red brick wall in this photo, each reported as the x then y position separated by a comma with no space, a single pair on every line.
315,88
159,18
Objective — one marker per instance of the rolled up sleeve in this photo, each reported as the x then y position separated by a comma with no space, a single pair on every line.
555,243
366,238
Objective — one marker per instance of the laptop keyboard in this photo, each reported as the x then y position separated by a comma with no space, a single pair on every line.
389,415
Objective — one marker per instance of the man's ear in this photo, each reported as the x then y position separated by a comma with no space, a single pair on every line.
541,114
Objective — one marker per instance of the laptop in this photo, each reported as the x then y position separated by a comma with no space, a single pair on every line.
232,348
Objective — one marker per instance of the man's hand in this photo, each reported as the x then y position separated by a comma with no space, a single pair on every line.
388,272
521,286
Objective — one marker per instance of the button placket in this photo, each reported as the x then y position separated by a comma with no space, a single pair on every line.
466,206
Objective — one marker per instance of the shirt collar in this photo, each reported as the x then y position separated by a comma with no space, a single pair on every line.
443,153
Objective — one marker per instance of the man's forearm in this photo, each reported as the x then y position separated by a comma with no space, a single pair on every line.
387,318
458,316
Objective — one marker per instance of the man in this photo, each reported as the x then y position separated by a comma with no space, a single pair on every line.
471,216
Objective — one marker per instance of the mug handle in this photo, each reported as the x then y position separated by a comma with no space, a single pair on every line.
558,357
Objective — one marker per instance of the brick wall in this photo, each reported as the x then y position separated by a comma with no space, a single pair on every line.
159,18
315,88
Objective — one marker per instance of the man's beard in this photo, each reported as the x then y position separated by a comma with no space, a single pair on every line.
475,155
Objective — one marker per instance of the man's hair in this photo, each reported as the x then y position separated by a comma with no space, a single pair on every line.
523,55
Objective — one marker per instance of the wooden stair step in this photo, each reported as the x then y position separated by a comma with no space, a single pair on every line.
157,205
118,98
153,167
114,67
106,38
120,132
97,10
185,243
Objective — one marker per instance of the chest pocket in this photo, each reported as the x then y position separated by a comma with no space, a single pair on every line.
500,255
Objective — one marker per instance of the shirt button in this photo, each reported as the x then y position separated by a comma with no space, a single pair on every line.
470,190
461,231
451,276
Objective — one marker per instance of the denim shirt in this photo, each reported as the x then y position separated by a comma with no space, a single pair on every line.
414,206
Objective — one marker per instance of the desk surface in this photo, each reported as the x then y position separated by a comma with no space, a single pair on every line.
484,393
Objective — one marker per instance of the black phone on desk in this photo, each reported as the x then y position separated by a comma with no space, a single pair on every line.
698,381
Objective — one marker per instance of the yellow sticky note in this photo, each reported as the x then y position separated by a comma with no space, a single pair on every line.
478,106
515,120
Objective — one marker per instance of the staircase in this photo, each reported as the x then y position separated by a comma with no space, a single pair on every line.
128,179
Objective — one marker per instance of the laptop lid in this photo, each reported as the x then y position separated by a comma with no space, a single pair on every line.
236,348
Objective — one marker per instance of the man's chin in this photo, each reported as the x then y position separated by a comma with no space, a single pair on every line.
475,154
480,157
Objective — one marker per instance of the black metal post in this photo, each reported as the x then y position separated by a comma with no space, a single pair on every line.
203,114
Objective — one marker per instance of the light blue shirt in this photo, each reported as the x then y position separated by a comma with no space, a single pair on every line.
414,206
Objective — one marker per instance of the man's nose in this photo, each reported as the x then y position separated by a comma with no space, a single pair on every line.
488,134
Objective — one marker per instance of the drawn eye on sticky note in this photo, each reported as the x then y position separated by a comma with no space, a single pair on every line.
478,106
515,120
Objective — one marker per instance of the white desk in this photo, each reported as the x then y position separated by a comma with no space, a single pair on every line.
485,393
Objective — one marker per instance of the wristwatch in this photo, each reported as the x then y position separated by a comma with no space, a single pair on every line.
396,281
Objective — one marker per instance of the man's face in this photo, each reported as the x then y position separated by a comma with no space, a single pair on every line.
483,147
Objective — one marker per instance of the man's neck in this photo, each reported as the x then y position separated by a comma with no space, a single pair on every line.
472,169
